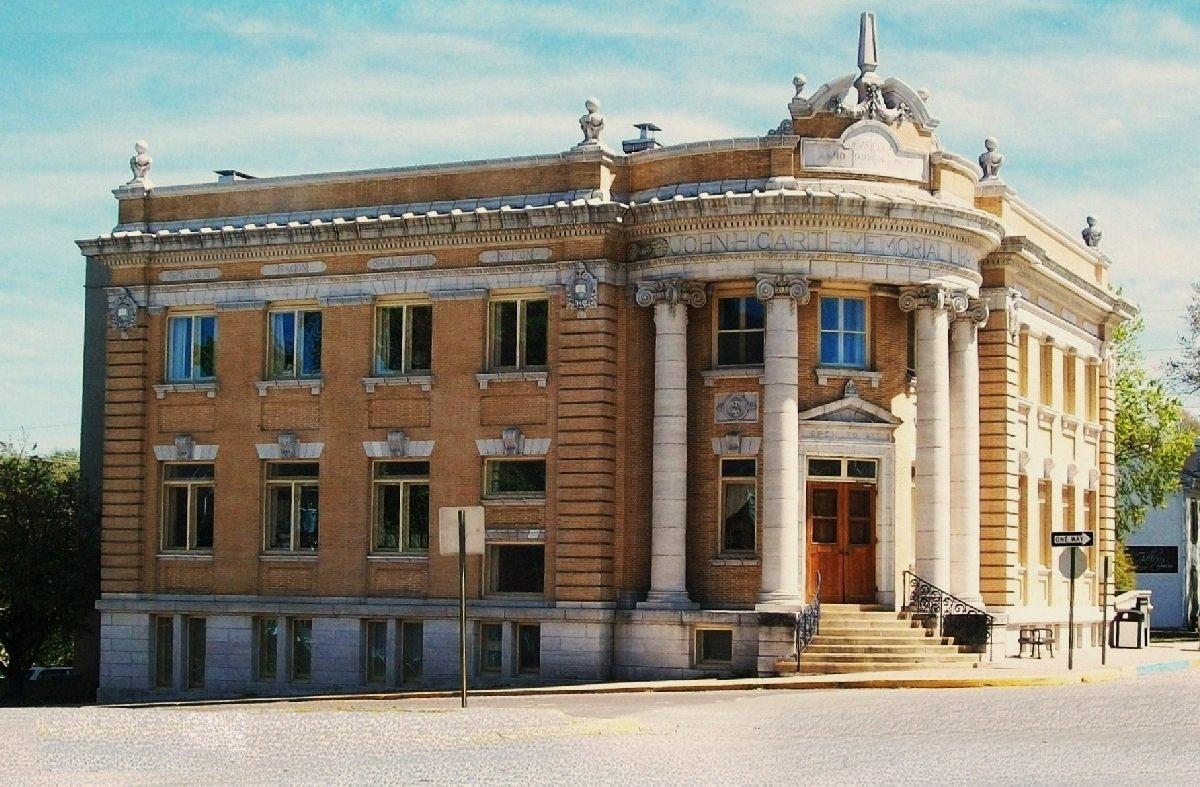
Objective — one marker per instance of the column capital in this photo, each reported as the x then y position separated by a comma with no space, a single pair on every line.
779,285
671,292
976,312
938,297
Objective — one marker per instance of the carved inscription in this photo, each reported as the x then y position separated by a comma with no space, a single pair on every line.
878,244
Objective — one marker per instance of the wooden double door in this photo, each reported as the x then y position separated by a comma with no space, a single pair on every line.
841,541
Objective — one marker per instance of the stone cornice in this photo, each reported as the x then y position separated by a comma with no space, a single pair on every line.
1019,247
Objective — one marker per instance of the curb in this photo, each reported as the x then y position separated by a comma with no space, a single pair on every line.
1095,675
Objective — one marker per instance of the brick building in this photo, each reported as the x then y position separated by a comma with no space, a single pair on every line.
693,387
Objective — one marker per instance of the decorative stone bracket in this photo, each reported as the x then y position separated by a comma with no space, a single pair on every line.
736,444
288,446
398,445
185,449
512,443
737,408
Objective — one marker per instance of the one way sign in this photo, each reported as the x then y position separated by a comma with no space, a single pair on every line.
1072,538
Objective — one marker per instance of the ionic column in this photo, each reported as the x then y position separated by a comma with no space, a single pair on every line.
964,451
668,512
782,565
932,306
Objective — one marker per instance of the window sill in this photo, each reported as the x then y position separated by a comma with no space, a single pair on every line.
735,561
730,373
315,384
512,501
485,378
209,388
826,373
423,380
382,557
280,557
200,556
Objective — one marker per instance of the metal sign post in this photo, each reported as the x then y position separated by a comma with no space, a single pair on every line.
1072,540
1104,600
460,531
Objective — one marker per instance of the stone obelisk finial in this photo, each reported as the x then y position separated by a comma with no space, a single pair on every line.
868,49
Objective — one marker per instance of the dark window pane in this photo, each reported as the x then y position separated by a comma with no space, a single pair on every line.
825,467
729,349
860,468
283,344
829,348
164,648
401,469
829,314
293,470
205,505
195,632
715,646
854,313
421,345
491,647
825,503
516,477
519,569
504,334
268,646
279,517
529,648
860,531
176,510
307,535
418,518
376,652
738,468
387,533
390,352
536,329
412,634
206,347
729,314
752,312
301,649
311,361
824,531
179,364
739,517
854,349
188,472
752,349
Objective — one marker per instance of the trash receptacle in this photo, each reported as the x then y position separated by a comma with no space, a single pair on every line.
1130,629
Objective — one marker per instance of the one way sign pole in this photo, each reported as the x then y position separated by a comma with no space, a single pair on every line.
1072,540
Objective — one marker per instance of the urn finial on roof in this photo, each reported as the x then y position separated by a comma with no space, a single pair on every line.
591,124
991,159
1092,232
139,164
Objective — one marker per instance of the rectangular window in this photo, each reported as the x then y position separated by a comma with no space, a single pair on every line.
1023,364
491,647
189,502
295,344
1069,362
849,469
739,332
529,648
1091,522
1022,521
267,651
1045,518
401,506
515,478
375,669
404,339
195,652
1092,385
301,648
844,332
292,506
738,504
412,639
192,348
714,647
164,650
517,568
1047,388
517,331
1068,508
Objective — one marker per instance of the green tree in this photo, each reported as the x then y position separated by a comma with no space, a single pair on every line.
1153,437
49,559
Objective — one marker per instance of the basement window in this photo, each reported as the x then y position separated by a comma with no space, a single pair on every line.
517,568
714,647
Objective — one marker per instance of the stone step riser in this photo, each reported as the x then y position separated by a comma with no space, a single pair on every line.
887,658
867,641
910,650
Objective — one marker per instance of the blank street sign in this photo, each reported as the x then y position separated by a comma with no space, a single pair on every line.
448,529
1072,538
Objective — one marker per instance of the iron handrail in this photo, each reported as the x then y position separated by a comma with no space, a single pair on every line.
808,622
924,598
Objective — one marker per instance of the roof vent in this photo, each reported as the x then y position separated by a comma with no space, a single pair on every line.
231,176
645,141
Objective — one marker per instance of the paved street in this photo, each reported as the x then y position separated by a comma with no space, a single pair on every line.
1143,730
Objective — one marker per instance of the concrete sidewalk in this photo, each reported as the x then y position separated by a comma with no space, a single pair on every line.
1003,671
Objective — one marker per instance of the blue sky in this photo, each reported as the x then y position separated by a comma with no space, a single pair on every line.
1095,106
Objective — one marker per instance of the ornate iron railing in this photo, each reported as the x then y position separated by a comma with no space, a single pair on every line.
966,623
808,621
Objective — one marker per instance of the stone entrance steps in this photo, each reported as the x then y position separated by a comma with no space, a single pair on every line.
870,638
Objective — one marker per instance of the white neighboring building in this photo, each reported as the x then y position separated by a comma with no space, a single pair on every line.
1165,552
